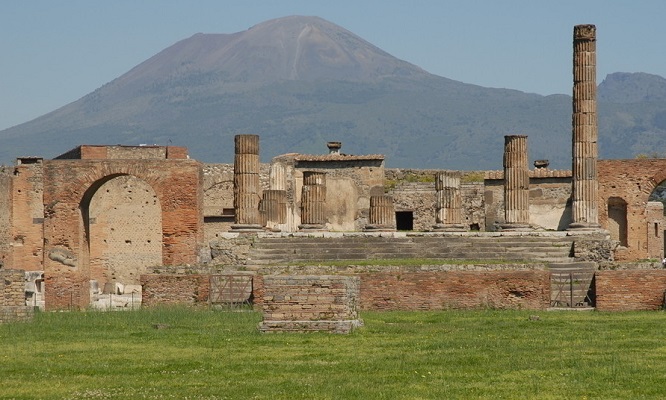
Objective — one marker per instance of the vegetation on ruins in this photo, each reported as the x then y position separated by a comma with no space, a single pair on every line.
205,354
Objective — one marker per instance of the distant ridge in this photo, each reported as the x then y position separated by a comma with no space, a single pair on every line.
302,81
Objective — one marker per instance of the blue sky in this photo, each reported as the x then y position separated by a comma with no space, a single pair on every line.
54,52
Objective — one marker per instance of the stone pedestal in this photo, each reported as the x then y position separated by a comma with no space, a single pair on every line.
585,186
310,303
516,184
313,201
448,202
246,183
382,214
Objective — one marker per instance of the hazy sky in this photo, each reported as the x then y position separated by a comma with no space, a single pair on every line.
54,52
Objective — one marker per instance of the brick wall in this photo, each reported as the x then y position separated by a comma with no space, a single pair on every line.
630,183
310,303
27,241
12,301
189,289
12,282
455,289
5,217
630,290
68,189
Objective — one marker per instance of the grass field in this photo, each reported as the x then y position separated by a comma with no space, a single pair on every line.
397,355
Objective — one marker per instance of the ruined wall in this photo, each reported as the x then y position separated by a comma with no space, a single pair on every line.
414,190
5,216
515,286
27,238
630,290
218,189
350,181
119,152
624,189
456,289
310,303
69,187
170,289
550,191
12,296
125,231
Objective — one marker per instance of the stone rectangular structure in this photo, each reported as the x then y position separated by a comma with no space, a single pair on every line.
12,300
441,290
630,290
310,303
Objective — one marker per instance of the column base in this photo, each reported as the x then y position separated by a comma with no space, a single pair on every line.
246,228
379,228
583,226
449,228
312,227
516,227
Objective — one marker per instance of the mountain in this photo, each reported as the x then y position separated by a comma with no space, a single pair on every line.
302,81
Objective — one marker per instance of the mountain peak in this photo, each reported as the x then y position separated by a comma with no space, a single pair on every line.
289,48
626,87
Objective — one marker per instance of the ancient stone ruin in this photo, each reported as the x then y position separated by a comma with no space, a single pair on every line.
113,227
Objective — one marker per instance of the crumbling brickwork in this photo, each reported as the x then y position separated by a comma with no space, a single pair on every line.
630,290
27,211
170,289
310,303
12,301
69,187
624,189
455,289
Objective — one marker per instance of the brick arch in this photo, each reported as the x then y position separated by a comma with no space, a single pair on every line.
122,218
69,186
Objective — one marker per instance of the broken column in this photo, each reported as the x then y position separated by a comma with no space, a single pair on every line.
448,202
246,183
275,208
516,183
382,214
585,152
313,200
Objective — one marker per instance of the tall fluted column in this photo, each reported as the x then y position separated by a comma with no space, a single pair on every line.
382,214
313,201
448,202
585,213
516,183
246,183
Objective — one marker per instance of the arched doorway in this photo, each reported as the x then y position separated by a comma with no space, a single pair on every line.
617,220
124,229
655,212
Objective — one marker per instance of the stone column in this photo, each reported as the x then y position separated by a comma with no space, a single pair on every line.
246,183
275,208
278,176
516,183
313,200
448,202
382,214
584,144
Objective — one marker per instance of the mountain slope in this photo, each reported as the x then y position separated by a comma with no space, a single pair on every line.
301,81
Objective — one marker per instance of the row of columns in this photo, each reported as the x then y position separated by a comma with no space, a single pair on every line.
447,184
254,211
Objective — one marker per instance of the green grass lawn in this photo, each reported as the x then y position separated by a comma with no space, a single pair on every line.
397,355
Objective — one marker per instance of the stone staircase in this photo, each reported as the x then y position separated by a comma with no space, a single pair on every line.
305,249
